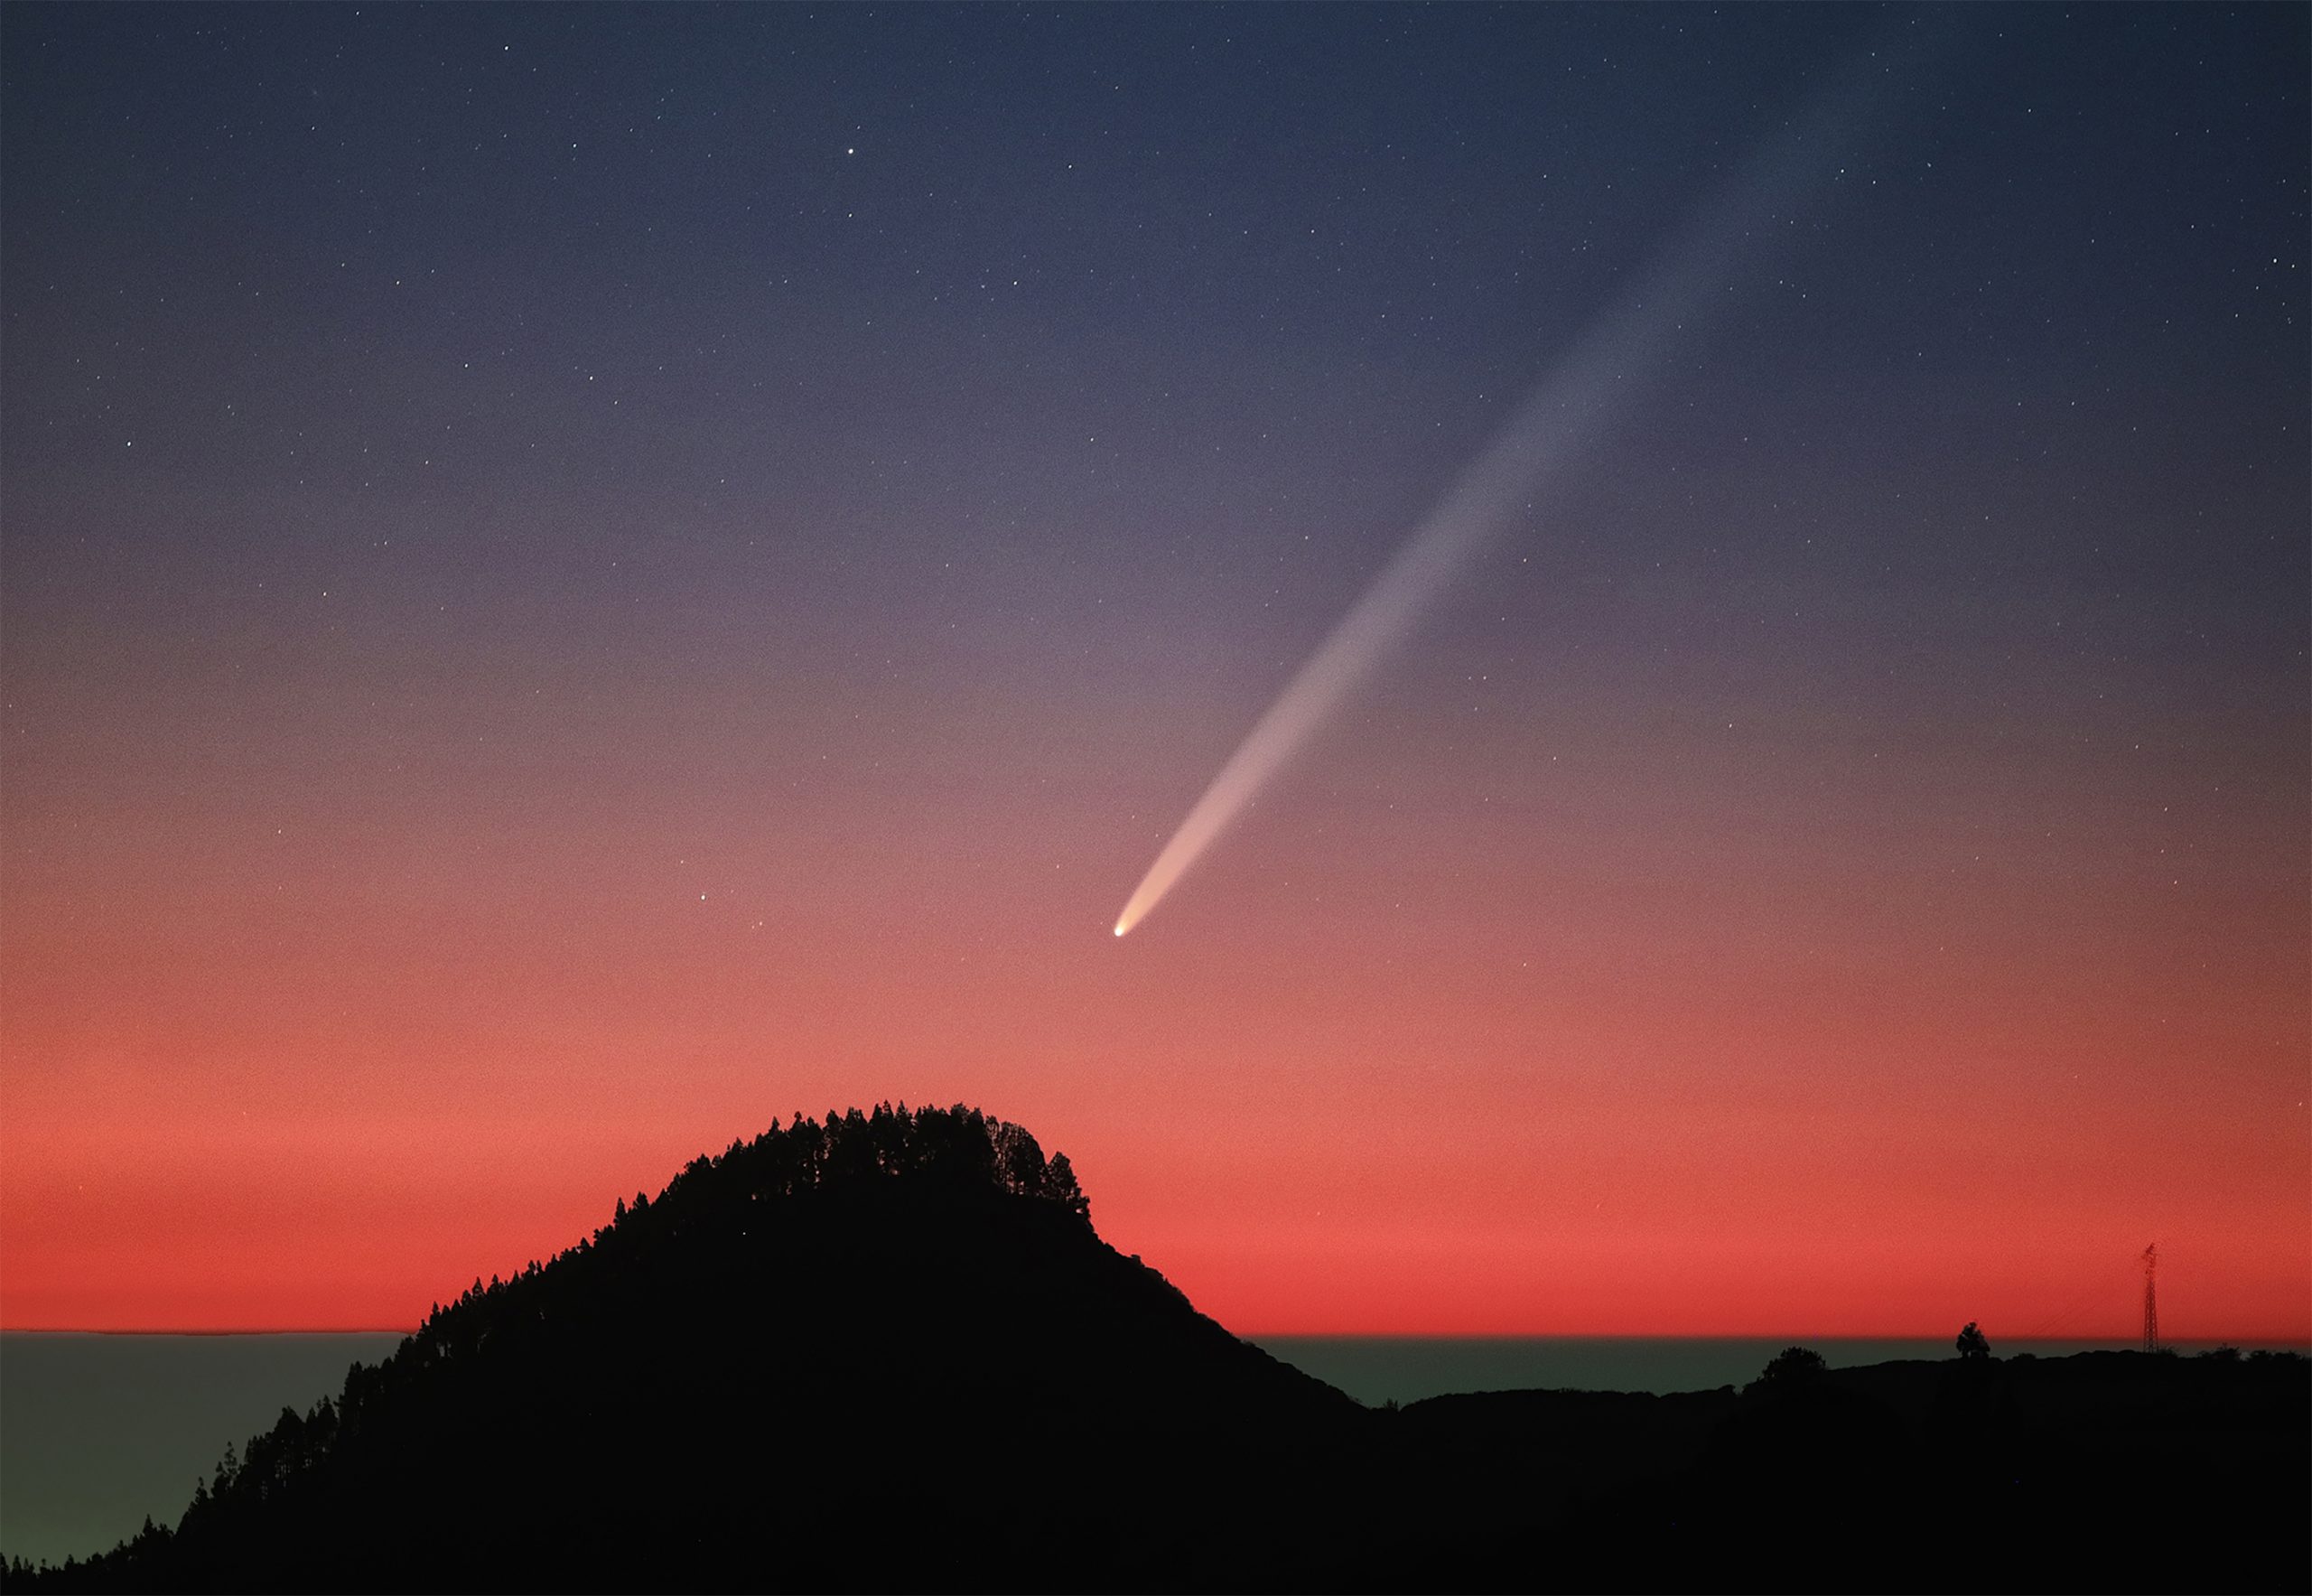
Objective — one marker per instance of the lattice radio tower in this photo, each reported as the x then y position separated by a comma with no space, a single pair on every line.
2151,1298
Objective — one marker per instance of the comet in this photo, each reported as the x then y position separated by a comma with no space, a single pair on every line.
1588,390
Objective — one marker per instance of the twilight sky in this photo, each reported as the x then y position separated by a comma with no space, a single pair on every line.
577,579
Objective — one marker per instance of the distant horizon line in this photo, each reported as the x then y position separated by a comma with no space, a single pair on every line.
2123,1341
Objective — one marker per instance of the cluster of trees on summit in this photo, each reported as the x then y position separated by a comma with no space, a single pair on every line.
930,1152
957,1150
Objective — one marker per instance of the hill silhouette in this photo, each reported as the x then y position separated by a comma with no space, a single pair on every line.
888,1352
871,1350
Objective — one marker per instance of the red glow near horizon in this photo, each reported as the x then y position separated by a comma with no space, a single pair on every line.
1451,1060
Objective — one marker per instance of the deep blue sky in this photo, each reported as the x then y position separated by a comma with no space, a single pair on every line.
998,273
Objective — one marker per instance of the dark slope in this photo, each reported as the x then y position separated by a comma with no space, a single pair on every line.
2103,1471
887,1352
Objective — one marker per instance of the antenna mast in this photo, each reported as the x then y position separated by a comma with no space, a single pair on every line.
2151,1298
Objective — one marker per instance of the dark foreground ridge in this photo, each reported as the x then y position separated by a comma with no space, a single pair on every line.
889,1352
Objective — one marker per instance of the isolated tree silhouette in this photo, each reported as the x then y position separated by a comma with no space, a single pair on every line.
1973,1343
1791,1369
1018,1161
1059,1185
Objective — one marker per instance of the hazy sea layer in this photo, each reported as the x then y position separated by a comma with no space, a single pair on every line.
98,1431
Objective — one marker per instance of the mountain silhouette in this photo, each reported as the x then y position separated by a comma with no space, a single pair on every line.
888,1352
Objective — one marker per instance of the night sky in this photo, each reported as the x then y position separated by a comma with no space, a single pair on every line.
577,579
